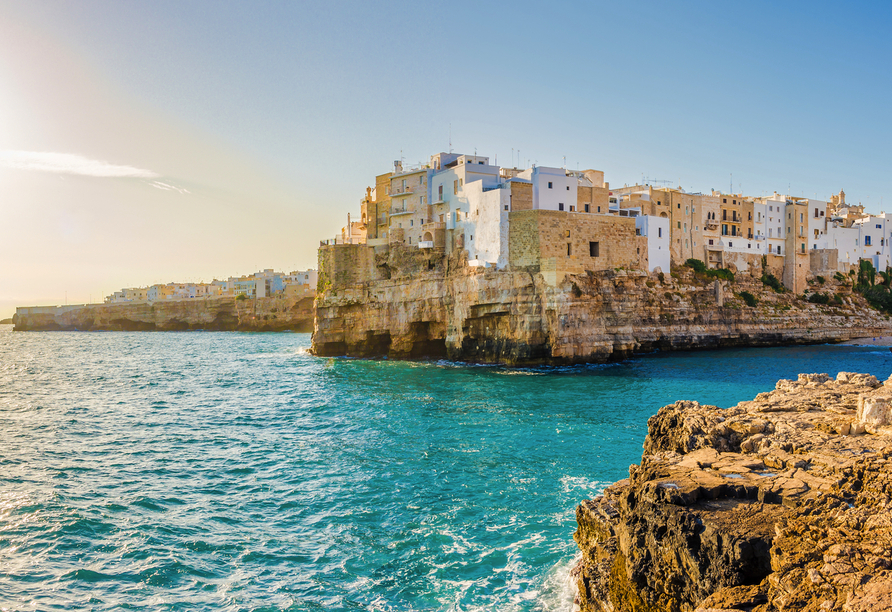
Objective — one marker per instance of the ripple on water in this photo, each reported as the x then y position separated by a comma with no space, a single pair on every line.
236,471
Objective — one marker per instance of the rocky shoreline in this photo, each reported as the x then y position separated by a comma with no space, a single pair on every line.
211,314
414,304
778,504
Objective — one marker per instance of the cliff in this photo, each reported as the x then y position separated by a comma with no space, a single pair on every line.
414,303
212,314
778,504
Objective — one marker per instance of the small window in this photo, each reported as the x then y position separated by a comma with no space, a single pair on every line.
506,207
659,232
561,206
572,208
679,224
566,233
472,237
568,249
710,242
599,209
568,188
587,208
549,185
594,249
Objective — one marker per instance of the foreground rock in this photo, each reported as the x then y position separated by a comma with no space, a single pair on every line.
212,314
777,504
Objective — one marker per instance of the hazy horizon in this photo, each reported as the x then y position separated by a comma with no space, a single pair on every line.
145,143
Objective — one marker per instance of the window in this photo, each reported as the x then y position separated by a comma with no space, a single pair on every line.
506,207
879,226
599,209
816,213
561,206
572,208
568,249
411,222
749,216
679,224
549,184
566,233
422,200
801,217
455,186
568,188
440,192
404,184
421,180
724,200
749,246
710,242
587,208
472,237
679,205
867,241
659,232
803,247
594,249
685,210
730,244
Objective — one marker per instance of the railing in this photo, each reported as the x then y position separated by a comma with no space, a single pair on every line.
399,191
399,211
426,244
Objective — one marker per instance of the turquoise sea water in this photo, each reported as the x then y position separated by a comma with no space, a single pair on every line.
230,471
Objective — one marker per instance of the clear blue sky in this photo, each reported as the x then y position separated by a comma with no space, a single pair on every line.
249,130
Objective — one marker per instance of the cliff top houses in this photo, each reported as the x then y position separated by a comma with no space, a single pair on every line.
558,221
265,283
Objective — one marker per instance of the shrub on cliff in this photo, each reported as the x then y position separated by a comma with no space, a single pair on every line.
821,279
696,264
749,298
819,298
770,280
241,296
701,271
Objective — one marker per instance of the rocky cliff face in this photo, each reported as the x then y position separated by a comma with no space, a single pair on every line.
213,314
414,304
778,504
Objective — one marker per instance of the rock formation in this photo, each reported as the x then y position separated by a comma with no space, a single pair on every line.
414,303
212,314
778,504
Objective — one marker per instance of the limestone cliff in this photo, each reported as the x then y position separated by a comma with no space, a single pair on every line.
778,504
412,303
212,314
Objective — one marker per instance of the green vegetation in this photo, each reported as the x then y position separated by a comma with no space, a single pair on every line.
702,271
821,279
749,298
770,280
840,277
241,296
662,277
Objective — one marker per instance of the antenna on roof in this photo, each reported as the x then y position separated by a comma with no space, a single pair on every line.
450,138
732,184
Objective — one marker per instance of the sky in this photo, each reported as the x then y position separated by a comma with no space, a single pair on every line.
146,142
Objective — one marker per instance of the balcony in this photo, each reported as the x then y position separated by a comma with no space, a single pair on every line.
400,191
426,244
395,212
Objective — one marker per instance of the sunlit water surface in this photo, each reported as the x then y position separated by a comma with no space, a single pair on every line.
232,471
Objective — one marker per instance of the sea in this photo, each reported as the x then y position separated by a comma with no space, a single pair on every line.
236,471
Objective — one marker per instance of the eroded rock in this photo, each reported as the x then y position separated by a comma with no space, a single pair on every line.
778,504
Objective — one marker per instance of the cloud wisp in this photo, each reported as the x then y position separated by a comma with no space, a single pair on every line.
67,163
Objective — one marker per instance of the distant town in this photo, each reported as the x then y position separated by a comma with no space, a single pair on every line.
560,221
266,283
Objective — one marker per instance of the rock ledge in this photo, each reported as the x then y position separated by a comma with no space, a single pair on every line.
780,503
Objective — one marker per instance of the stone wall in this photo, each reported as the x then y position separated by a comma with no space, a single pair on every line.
521,196
562,241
